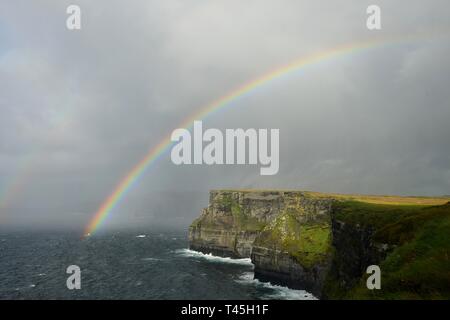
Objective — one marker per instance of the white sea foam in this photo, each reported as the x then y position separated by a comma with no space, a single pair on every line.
141,236
275,291
247,278
209,257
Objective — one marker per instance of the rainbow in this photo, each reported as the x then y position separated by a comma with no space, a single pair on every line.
155,153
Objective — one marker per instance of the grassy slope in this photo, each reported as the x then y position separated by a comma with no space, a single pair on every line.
419,266
308,242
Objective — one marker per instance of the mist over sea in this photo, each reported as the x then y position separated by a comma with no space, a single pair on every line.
132,264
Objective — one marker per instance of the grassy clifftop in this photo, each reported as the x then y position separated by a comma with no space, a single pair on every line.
418,265
375,199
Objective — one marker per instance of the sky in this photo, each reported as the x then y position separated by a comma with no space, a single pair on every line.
78,109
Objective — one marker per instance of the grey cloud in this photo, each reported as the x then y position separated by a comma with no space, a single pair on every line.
80,109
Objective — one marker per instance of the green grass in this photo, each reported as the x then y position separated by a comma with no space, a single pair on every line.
308,242
376,215
419,266
314,245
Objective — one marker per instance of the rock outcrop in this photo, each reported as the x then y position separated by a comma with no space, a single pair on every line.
287,234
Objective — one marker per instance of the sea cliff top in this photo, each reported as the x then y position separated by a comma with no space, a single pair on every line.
375,199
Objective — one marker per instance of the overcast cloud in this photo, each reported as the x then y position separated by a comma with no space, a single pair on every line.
78,109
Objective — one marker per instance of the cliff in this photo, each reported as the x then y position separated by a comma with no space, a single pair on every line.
323,243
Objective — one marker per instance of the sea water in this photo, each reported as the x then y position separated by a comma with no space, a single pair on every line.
125,265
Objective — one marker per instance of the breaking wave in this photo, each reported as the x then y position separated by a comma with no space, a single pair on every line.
274,291
209,257
271,291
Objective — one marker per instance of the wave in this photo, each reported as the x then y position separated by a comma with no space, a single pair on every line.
274,291
209,257
270,291
141,236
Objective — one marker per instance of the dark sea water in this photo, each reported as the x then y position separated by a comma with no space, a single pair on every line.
124,265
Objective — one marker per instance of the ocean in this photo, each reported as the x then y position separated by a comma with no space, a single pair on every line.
125,265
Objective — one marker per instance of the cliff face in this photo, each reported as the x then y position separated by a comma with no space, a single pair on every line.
286,234
231,223
320,243
295,248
